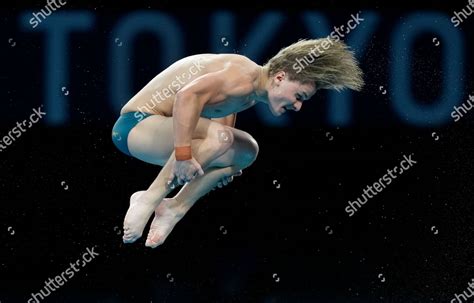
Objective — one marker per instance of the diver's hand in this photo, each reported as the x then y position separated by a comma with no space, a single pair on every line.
184,171
226,180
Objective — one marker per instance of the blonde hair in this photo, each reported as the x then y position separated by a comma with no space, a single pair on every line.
333,67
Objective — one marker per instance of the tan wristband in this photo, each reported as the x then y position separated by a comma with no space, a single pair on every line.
182,153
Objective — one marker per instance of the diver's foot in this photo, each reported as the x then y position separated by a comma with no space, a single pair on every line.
167,214
136,218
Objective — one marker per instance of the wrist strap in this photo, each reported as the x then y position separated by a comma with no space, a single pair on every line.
183,153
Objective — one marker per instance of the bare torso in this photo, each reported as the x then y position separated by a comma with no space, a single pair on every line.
158,96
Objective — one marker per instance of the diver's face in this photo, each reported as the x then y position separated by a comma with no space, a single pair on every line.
284,95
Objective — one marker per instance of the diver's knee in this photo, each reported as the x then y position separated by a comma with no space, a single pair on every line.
221,138
247,151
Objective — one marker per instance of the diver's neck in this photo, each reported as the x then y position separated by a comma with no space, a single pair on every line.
261,91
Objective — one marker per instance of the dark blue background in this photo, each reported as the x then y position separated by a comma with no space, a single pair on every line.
269,230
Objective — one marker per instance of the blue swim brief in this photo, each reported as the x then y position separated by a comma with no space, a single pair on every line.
122,128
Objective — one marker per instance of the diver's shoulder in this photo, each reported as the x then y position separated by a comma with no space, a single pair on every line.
225,57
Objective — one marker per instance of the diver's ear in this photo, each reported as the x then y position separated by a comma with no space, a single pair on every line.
280,76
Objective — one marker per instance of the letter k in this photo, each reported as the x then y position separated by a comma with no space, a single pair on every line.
38,112
198,65
91,252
